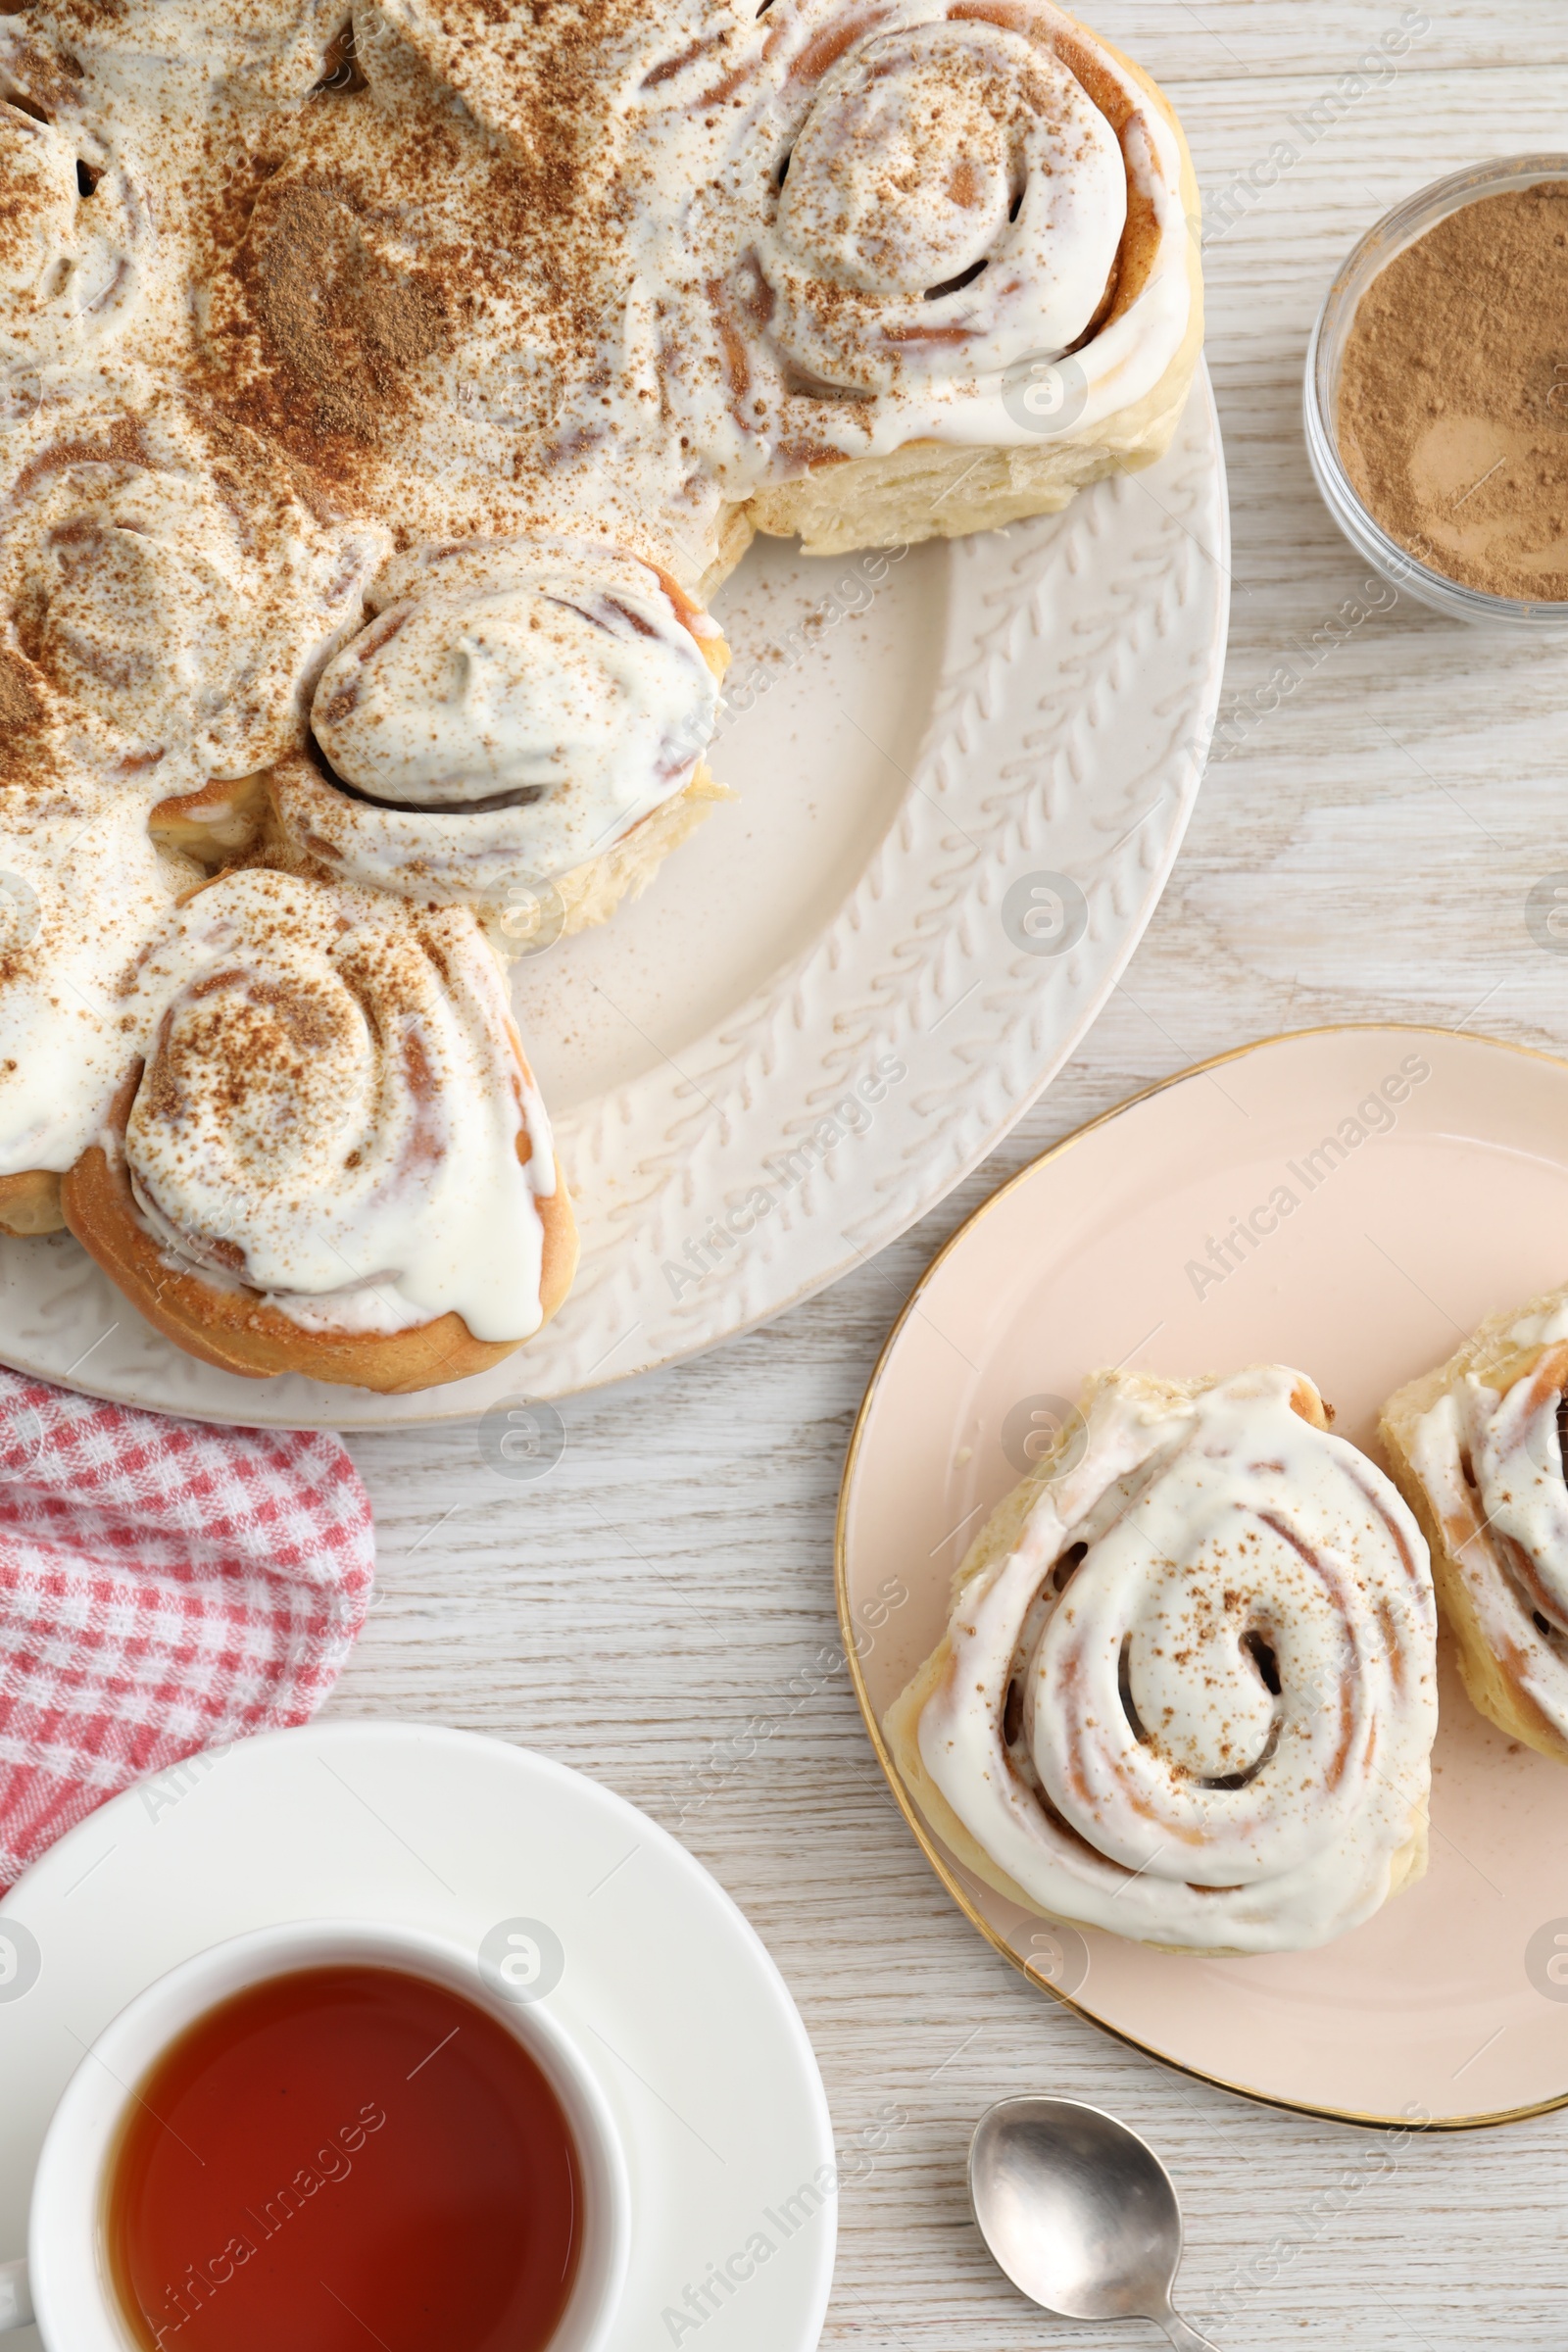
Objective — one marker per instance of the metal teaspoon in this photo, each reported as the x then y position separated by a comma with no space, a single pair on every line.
1079,2212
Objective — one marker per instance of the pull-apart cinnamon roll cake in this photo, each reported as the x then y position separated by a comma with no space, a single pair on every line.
1188,1691
1478,1447
383,385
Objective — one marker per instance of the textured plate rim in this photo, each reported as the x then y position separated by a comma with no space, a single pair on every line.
1371,2119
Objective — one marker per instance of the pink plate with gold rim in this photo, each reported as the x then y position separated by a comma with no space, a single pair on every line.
1427,1175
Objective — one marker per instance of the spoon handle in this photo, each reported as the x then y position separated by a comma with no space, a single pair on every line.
1185,2338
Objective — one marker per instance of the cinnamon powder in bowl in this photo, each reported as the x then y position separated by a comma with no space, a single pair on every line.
1437,404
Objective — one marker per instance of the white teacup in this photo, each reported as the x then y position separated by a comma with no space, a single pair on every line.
65,2282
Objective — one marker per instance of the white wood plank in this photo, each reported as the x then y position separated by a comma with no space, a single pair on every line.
1366,852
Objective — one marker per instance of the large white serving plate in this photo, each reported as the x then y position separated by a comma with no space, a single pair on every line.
912,740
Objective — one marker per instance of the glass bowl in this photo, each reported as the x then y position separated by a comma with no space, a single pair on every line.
1325,356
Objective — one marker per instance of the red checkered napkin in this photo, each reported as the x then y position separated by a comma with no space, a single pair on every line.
164,1588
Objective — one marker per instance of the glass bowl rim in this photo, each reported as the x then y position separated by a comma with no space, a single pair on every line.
1392,233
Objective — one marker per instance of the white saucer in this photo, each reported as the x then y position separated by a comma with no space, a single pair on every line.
706,2064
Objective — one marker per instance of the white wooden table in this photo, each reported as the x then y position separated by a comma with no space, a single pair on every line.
1365,851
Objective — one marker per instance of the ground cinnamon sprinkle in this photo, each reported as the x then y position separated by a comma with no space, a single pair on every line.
20,706
349,328
1453,396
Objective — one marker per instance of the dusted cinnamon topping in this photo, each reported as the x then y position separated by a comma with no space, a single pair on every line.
341,324
412,265
406,361
334,1111
1214,1733
504,265
169,595
20,707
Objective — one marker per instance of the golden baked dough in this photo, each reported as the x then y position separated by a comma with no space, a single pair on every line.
217,824
30,1202
591,893
239,1332
1236,1645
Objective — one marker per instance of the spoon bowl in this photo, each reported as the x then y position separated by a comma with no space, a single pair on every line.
1079,2212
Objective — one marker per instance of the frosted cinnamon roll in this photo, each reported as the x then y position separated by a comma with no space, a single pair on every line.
83,889
73,236
1188,1691
332,1158
946,255
1477,1448
167,595
513,711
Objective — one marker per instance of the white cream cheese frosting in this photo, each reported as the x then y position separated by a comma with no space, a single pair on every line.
255,47
165,589
1195,1704
77,237
83,889
559,675
1488,1455
74,234
932,158
513,711
332,1111
613,268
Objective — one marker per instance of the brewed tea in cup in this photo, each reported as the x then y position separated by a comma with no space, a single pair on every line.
326,2135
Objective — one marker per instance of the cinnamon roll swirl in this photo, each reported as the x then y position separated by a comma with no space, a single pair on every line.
332,1157
167,596
931,155
1188,1691
946,252
515,710
1477,1448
